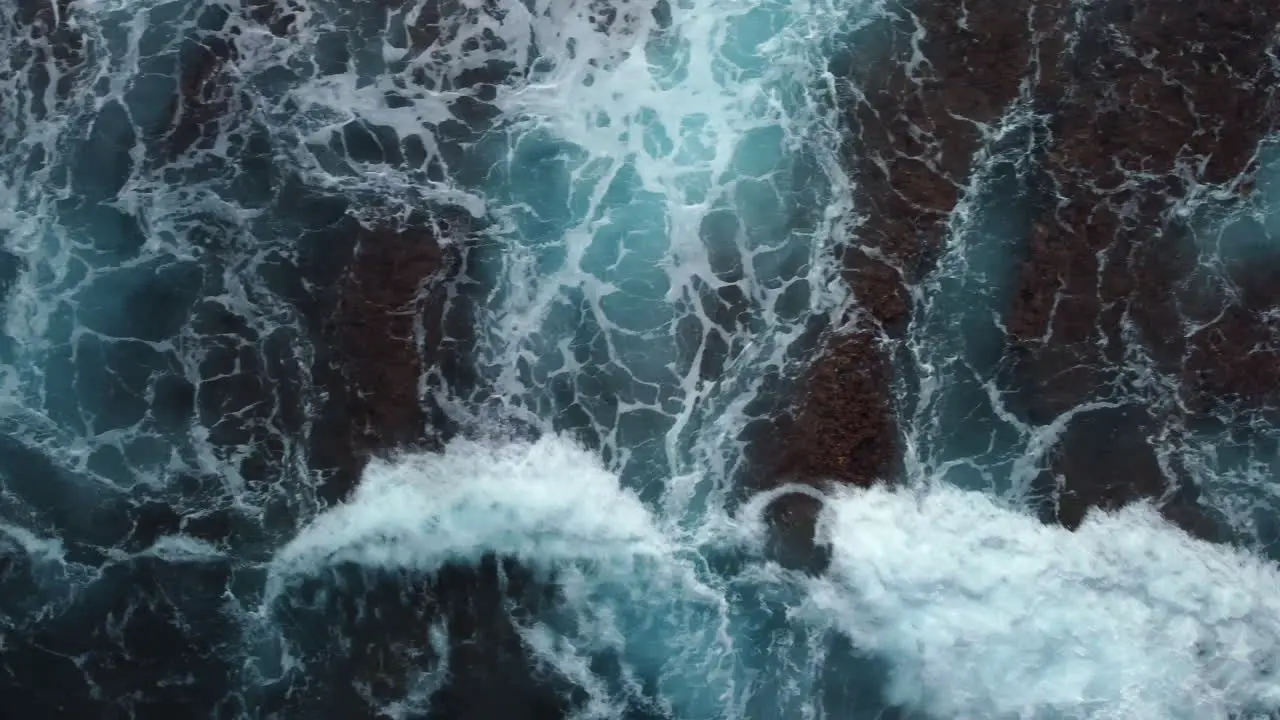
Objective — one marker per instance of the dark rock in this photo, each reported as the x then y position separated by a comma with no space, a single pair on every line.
206,89
1142,103
386,332
387,622
913,131
1152,99
915,127
1106,460
489,652
381,300
205,92
141,632
841,429
1233,361
792,520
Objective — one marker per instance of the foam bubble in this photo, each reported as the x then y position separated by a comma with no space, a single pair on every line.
985,612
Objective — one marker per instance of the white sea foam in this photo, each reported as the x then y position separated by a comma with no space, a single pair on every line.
642,140
980,610
630,596
544,503
984,612
36,547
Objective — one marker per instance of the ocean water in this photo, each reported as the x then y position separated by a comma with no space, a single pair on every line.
647,197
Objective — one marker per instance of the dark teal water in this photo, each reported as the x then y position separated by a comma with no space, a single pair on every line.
652,193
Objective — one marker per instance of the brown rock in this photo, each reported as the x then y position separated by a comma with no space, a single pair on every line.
1145,101
913,132
793,521
1234,360
1105,459
841,428
386,334
205,85
1151,99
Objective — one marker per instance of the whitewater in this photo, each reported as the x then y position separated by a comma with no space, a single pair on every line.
620,169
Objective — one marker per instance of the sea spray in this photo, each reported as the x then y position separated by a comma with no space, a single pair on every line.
983,611
642,619
544,502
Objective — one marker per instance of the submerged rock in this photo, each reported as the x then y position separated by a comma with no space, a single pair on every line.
792,520
204,92
385,334
1233,361
207,93
1151,102
1107,459
913,131
1141,106
435,641
435,646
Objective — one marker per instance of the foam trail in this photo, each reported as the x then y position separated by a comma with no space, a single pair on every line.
668,157
984,612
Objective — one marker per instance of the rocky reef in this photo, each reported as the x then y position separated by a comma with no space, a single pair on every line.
1140,109
385,333
913,130
204,92
1151,107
